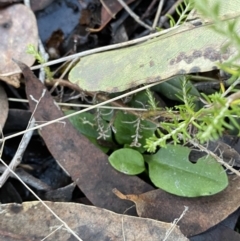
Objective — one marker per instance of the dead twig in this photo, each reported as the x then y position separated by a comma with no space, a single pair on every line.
134,15
81,111
43,203
96,50
217,158
158,14
21,148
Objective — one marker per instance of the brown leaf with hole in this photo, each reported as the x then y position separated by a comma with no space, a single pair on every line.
3,107
18,29
109,9
203,212
32,221
86,164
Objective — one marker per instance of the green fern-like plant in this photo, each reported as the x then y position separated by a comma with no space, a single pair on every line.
208,123
182,11
220,109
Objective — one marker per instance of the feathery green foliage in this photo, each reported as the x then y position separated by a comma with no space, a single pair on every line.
213,119
182,11
33,51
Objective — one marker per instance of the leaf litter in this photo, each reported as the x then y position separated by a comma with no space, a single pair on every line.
32,221
77,155
203,212
79,164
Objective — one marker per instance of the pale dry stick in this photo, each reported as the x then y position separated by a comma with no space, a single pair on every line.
42,74
96,50
43,203
54,231
210,153
81,111
134,16
40,46
18,155
123,233
107,9
158,14
29,179
21,148
110,47
233,97
63,74
27,3
68,68
84,105
174,224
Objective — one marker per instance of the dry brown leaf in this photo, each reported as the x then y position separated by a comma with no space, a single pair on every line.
37,5
203,212
18,29
3,107
109,10
85,163
32,221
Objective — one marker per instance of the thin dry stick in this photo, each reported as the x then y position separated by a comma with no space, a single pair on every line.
231,87
175,222
96,50
54,231
123,233
81,111
29,179
107,9
84,105
210,153
27,3
107,48
123,222
18,155
67,69
43,203
134,16
158,14
21,148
